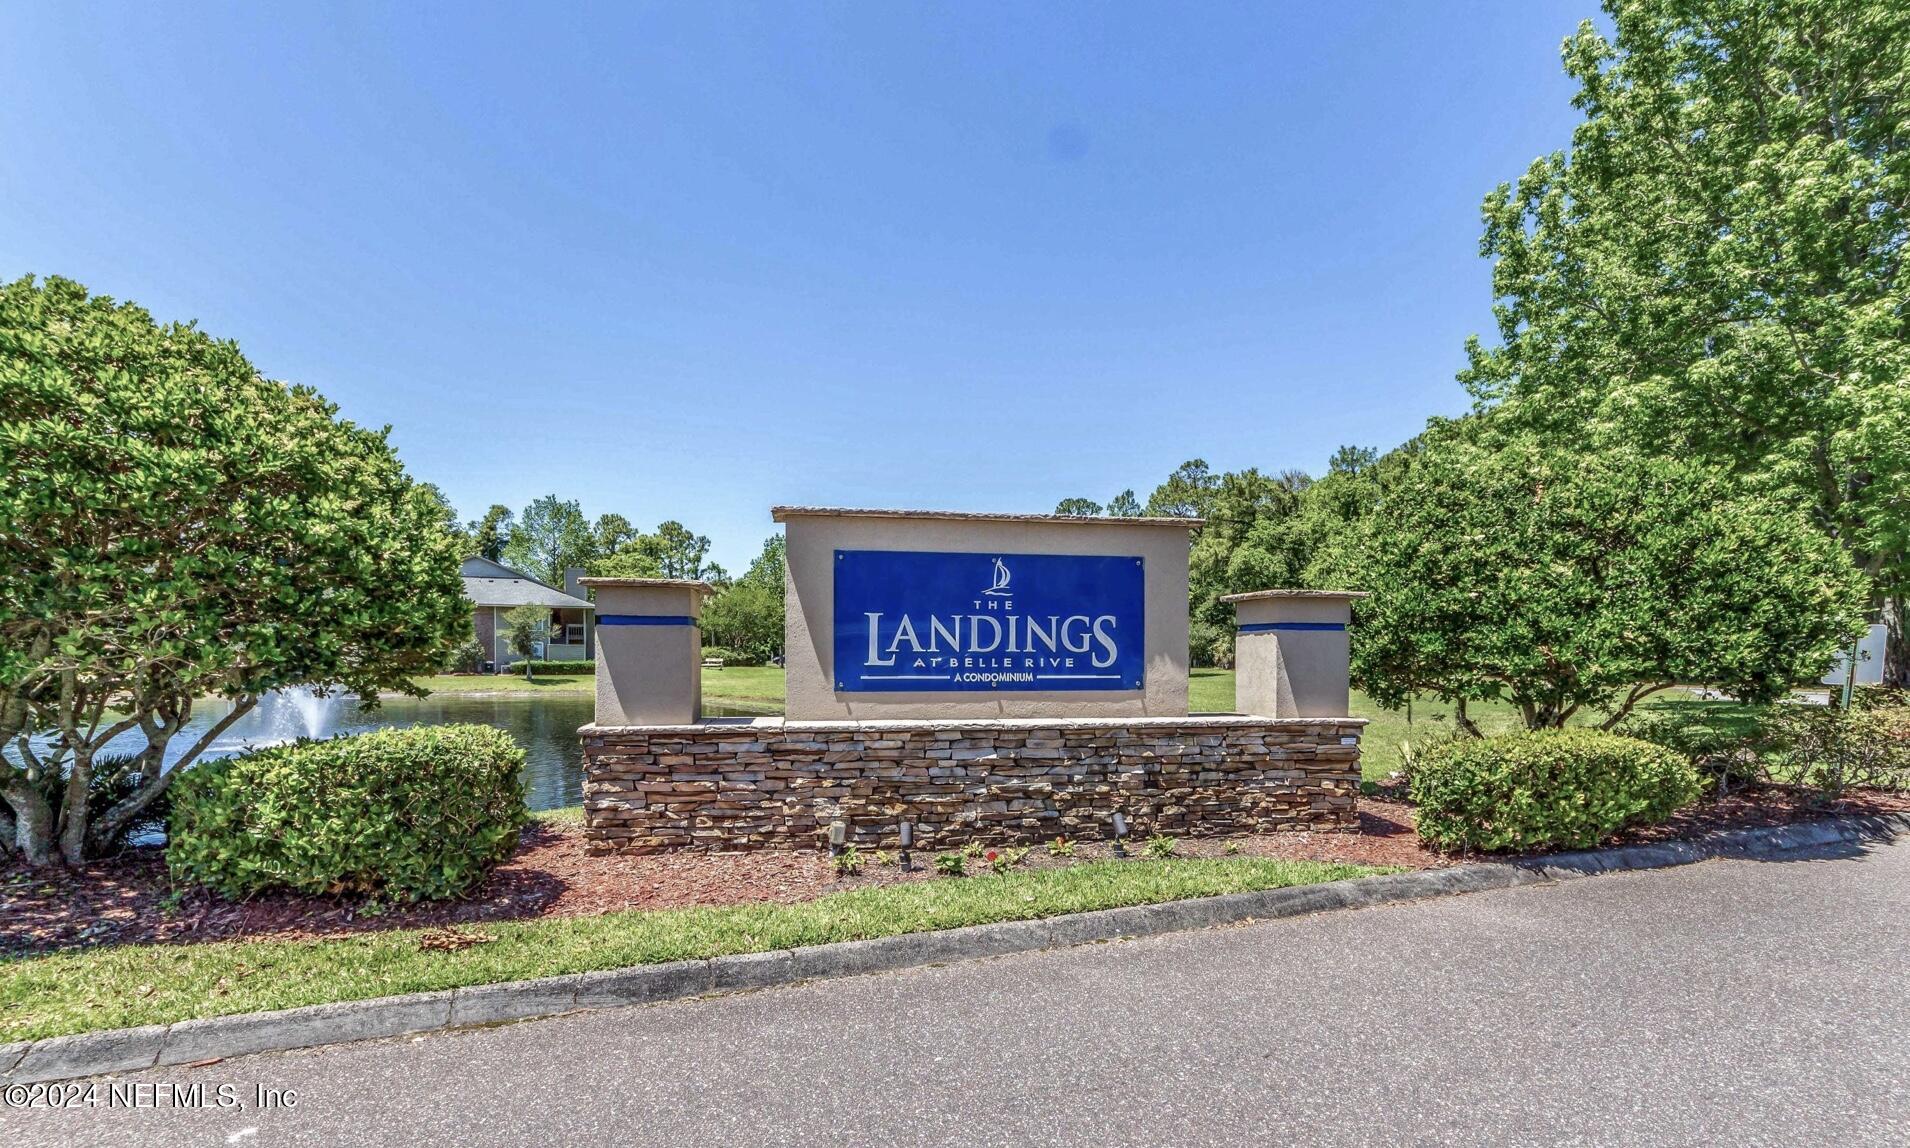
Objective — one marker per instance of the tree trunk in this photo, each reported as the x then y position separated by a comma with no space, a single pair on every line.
75,809
157,778
1896,644
32,822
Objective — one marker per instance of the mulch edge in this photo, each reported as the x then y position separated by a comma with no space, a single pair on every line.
191,1041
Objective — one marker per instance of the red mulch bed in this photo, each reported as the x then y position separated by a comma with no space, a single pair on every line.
129,899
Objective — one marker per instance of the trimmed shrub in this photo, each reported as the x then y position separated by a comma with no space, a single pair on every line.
539,666
1570,788
1834,750
1722,748
395,814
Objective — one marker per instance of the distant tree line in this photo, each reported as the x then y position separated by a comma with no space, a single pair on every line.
552,535
1261,531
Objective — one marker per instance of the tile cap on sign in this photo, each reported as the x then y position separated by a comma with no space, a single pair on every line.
662,583
784,513
1257,595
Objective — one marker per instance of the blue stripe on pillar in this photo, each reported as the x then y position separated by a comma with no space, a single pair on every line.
645,620
1264,627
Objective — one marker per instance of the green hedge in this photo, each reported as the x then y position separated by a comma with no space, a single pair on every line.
733,657
538,666
400,814
1565,788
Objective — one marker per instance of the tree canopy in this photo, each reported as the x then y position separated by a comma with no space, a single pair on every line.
1714,268
1262,531
747,615
1560,579
672,551
179,527
1187,493
489,534
551,536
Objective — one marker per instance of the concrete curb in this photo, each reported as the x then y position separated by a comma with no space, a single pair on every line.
131,1049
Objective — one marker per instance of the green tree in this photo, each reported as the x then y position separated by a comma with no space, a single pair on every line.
489,534
1560,580
1325,532
748,617
1715,269
633,561
672,551
1124,505
1351,460
524,627
448,515
1187,493
551,536
679,550
1242,547
767,568
1079,508
610,534
177,528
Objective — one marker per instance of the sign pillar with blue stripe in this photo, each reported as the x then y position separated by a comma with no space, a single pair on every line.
649,650
1291,652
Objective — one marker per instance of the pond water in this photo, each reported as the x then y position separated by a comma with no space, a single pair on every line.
544,725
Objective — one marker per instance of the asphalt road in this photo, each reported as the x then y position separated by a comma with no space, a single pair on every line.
1725,1003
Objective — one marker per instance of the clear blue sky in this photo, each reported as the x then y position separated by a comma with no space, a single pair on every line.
691,261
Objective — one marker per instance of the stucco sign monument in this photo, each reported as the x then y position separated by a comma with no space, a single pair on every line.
934,614
976,677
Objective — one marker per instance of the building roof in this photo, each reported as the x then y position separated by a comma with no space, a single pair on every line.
784,513
488,583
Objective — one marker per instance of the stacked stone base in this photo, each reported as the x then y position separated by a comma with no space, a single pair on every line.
769,783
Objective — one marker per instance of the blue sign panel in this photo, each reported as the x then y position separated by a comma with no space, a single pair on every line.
919,621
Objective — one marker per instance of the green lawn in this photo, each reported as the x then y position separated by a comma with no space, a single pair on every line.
1211,690
1429,721
128,985
744,684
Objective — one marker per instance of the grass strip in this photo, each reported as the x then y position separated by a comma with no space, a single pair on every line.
121,986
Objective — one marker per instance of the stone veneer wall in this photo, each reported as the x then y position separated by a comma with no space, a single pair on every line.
723,786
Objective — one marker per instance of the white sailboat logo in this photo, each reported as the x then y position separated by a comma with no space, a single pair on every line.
1000,588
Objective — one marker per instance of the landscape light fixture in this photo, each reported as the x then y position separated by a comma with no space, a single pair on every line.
1120,831
907,831
838,836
